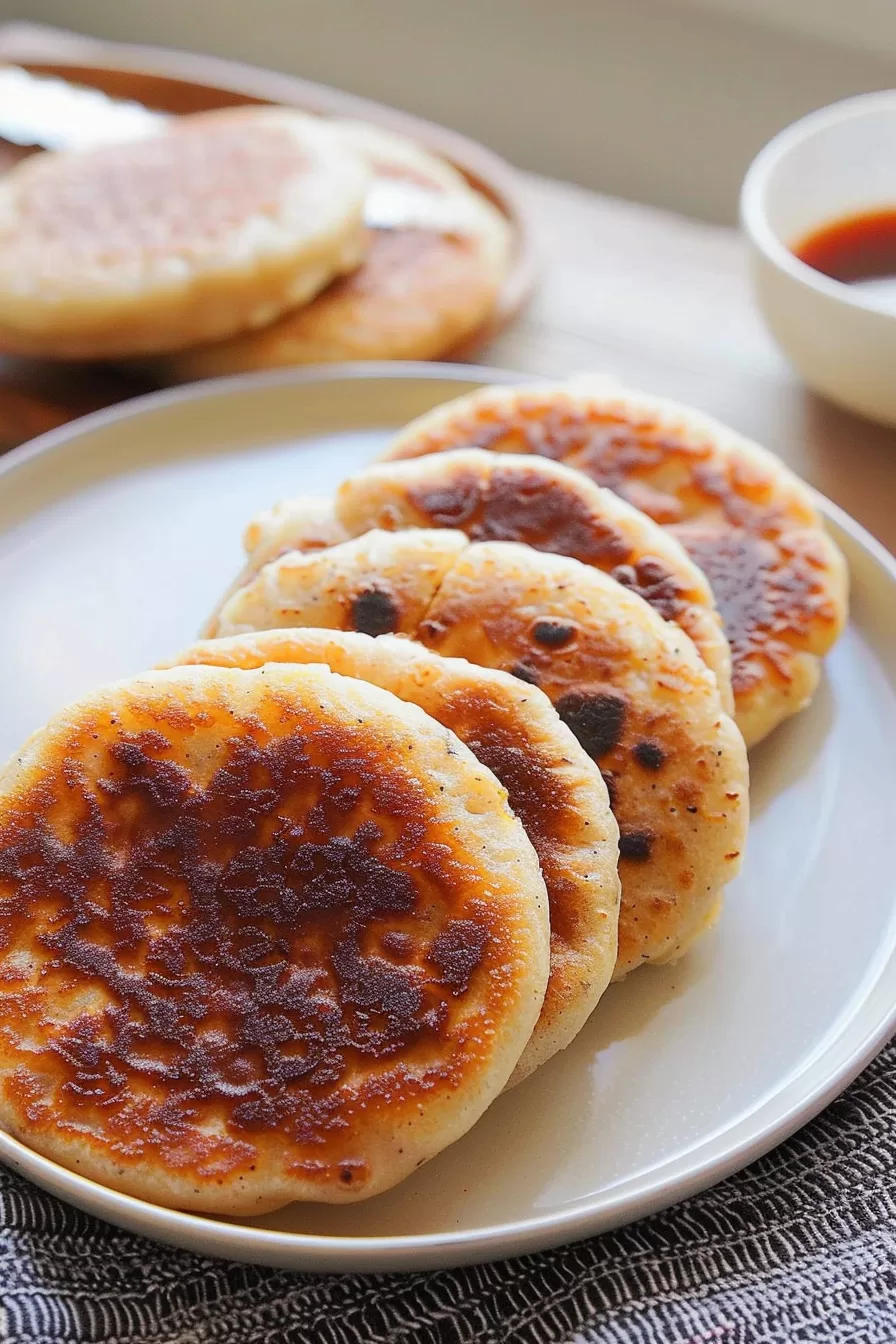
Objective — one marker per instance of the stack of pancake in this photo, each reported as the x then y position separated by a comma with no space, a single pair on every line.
459,746
245,239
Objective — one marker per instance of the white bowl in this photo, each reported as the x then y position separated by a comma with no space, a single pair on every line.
837,162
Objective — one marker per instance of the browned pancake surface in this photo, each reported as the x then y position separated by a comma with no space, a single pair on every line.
505,497
552,786
747,521
630,686
248,951
641,707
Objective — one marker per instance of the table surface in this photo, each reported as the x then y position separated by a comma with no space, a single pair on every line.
665,303
661,301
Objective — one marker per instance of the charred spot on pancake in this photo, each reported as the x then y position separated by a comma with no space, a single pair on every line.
532,789
768,593
624,452
652,580
740,488
452,504
649,754
523,672
457,951
228,939
518,504
552,633
738,566
608,445
635,844
537,793
597,719
601,444
374,612
630,453
521,505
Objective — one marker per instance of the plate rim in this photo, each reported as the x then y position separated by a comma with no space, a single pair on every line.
828,1072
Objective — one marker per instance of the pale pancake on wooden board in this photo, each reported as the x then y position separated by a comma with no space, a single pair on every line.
630,685
505,497
264,935
438,254
749,523
552,786
219,223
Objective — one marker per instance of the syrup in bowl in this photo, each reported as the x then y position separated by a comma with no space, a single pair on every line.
859,250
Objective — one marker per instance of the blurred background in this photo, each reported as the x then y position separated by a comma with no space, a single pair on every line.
660,101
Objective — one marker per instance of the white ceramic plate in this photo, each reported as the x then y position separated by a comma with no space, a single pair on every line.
116,535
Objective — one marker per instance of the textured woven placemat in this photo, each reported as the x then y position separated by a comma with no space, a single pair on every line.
799,1247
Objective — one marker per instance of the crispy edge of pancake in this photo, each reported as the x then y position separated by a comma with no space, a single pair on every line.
549,778
470,800
434,490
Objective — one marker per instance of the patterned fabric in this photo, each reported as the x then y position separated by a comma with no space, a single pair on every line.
800,1247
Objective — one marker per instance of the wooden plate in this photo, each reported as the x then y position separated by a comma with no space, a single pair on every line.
35,397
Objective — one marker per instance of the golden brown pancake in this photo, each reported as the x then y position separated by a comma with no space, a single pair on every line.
505,497
264,935
218,224
749,523
552,786
378,584
630,685
437,256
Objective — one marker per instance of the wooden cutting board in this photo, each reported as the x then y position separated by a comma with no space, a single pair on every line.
36,396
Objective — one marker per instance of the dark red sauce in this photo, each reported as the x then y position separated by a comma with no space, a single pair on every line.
857,247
